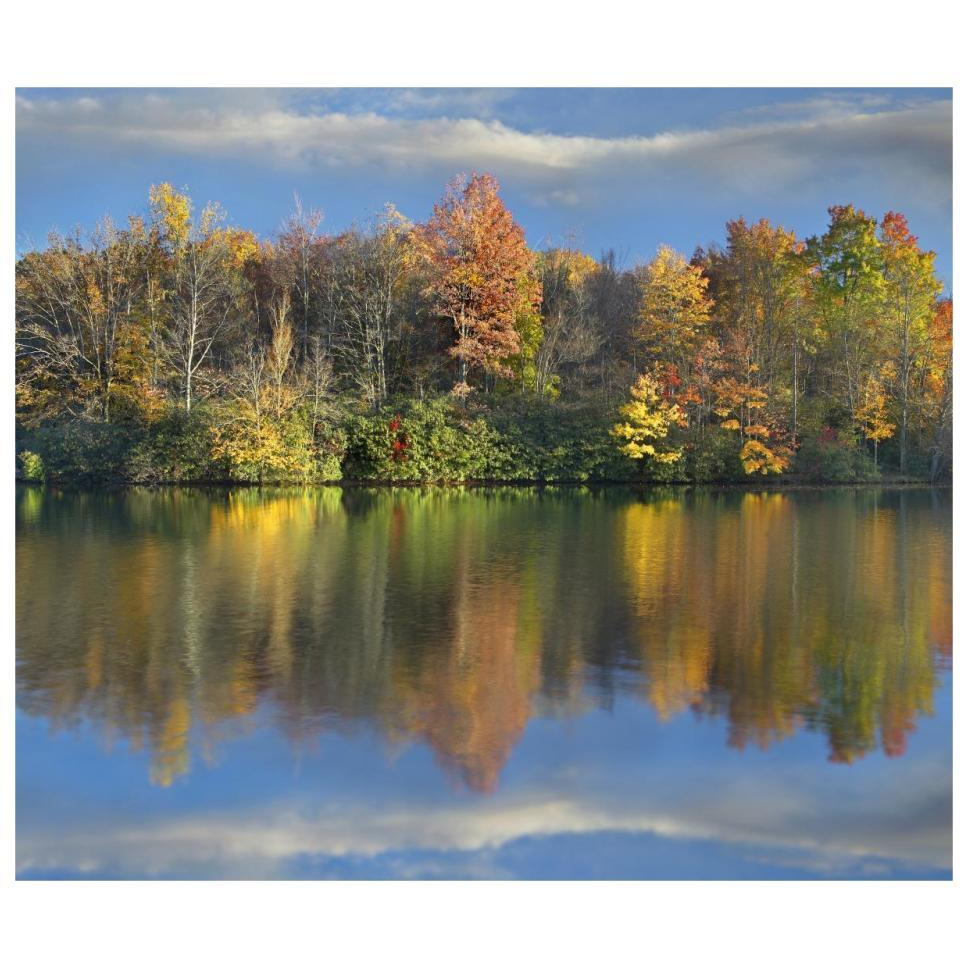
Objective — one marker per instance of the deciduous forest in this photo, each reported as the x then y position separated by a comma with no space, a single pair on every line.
178,348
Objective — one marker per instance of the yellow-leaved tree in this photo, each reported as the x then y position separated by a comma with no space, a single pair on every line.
757,457
647,420
259,435
872,414
674,308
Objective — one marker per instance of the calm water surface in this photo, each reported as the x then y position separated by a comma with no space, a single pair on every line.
499,683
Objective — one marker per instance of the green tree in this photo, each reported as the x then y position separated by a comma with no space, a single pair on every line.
849,292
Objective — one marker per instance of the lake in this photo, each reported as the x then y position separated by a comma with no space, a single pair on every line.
492,683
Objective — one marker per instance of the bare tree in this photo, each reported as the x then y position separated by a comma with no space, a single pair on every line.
371,268
299,248
206,294
73,302
569,332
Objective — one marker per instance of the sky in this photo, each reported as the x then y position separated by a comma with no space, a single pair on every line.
608,169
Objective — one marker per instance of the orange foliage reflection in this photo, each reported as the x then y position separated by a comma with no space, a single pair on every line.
451,618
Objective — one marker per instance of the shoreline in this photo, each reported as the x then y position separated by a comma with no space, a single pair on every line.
747,487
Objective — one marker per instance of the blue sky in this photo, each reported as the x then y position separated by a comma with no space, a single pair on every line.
624,169
614,793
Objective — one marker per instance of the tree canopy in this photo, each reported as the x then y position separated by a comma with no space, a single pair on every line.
177,335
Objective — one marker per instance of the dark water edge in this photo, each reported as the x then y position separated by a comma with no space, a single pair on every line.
745,487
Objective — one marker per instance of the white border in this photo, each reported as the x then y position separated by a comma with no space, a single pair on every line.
493,43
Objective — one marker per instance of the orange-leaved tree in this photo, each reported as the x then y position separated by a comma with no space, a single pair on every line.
479,272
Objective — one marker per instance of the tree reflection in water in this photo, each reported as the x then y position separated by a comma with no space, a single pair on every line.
178,618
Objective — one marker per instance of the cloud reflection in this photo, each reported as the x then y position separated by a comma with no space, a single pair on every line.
855,836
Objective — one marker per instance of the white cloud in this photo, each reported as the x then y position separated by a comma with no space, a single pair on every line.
851,832
775,148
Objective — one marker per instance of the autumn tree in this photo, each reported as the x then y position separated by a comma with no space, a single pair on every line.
478,263
299,250
371,270
911,290
755,284
258,436
206,285
610,363
936,389
77,305
758,281
528,323
568,336
848,291
647,421
740,406
674,309
873,416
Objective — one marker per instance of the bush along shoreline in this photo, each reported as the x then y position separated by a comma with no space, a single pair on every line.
438,441
179,349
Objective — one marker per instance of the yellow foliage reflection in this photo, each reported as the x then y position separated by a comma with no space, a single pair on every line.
177,619
790,612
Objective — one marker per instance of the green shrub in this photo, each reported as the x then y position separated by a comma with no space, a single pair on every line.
31,466
421,440
177,449
553,441
521,439
329,448
832,456
716,458
79,451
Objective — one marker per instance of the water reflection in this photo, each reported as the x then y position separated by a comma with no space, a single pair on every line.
175,619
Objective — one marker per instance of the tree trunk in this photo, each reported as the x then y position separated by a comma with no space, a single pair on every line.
795,386
903,438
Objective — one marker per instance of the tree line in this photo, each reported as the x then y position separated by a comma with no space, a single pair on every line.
178,347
